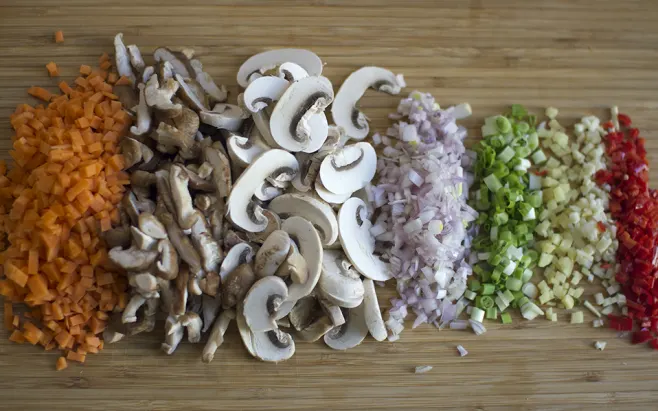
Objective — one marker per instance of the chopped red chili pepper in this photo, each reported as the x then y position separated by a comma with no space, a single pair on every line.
654,343
600,226
542,173
635,208
607,125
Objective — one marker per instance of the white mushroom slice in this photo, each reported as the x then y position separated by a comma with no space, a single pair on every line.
344,110
273,346
224,116
216,337
308,241
327,195
338,282
334,312
349,169
272,254
243,151
241,210
123,59
293,123
266,192
239,254
245,332
350,334
262,122
309,319
262,302
267,60
218,94
159,97
357,241
292,71
147,73
273,224
163,54
264,91
167,265
129,314
136,59
319,213
191,95
141,240
151,226
143,114
178,180
132,259
372,312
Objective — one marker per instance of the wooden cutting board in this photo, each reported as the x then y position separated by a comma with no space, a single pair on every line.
581,56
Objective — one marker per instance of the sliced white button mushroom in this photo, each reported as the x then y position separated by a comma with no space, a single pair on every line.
241,209
273,346
293,124
344,110
292,71
372,312
349,169
338,282
270,59
358,243
264,91
239,254
319,213
243,151
272,254
309,319
294,266
224,116
245,332
273,224
308,241
327,195
262,302
333,311
350,334
266,192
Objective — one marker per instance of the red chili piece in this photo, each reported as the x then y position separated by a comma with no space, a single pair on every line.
635,208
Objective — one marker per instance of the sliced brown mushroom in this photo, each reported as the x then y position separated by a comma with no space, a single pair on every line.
158,97
167,265
236,285
132,259
216,337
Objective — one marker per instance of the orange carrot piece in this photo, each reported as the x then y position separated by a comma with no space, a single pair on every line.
31,333
53,71
40,93
8,314
85,70
59,36
74,356
61,364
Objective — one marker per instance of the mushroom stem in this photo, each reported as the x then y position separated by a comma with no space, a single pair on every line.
216,337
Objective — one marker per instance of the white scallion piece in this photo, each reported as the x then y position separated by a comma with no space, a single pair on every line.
462,351
600,345
422,369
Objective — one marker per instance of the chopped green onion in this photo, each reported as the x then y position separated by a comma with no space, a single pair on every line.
492,313
488,289
505,318
477,314
469,295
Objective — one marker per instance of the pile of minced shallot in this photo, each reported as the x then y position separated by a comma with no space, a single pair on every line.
422,218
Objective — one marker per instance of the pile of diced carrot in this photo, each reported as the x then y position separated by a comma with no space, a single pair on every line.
61,194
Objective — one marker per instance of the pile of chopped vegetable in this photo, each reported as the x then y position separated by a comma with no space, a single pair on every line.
635,207
576,231
423,217
61,194
508,203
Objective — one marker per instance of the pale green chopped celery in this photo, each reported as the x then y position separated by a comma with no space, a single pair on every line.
552,163
577,317
551,112
543,287
544,298
544,260
527,276
598,297
561,139
546,247
568,302
593,309
477,314
554,317
538,157
558,194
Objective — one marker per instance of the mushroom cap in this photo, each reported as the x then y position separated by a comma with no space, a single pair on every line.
308,241
224,116
272,253
327,195
319,213
292,71
273,346
358,244
262,302
350,334
349,169
243,151
344,110
264,91
237,284
241,253
338,283
241,210
294,266
297,122
261,62
273,223
373,314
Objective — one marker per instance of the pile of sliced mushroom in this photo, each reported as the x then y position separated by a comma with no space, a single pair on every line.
251,211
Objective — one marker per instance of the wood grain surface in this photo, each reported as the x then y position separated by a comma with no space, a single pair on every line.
578,55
